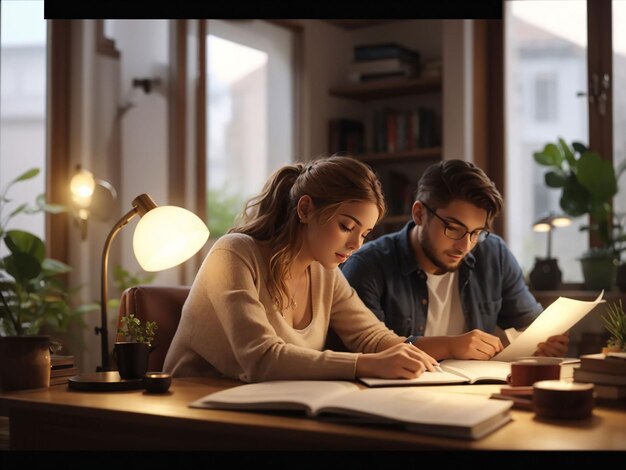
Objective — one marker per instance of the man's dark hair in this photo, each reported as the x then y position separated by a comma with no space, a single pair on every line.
451,180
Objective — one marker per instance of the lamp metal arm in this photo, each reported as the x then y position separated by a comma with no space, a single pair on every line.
104,285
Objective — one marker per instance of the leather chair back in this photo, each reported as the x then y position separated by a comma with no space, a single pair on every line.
162,304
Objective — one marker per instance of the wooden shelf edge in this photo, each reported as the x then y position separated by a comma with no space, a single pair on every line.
396,219
377,89
420,153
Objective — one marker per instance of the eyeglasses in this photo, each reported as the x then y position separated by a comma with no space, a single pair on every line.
457,232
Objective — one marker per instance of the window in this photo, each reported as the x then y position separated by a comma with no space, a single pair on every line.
545,69
545,98
250,109
619,100
23,106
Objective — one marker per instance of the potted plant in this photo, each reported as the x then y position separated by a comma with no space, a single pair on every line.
588,184
33,299
133,346
615,324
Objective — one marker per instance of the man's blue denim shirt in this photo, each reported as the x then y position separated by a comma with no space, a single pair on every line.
389,280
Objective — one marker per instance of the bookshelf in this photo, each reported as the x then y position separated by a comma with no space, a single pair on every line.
399,170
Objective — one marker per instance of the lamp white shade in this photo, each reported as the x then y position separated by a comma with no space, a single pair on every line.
167,236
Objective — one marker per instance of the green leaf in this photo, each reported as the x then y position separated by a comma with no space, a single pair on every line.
51,208
52,267
574,198
550,156
18,241
555,180
579,147
28,174
569,155
597,176
18,210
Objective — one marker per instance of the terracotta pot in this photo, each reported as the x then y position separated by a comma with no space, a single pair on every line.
24,362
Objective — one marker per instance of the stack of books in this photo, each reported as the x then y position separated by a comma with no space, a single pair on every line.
62,368
606,372
381,61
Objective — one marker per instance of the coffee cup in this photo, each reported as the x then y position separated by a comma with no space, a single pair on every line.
526,372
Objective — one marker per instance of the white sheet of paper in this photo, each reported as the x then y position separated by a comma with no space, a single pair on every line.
558,318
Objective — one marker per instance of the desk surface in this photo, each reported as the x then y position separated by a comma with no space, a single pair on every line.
58,418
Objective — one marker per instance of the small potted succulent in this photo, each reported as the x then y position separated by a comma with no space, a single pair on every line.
615,324
133,346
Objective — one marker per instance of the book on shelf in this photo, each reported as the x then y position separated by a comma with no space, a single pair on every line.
382,65
389,50
346,135
446,414
396,130
591,376
608,364
358,77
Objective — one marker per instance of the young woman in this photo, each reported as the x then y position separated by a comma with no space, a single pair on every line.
264,298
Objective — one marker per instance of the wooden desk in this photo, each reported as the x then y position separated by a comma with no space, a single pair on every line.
58,418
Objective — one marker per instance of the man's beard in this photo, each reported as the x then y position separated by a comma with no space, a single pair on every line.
429,252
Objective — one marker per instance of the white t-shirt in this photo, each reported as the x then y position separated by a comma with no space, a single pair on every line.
445,315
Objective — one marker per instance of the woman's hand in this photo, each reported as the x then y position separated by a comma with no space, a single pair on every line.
400,361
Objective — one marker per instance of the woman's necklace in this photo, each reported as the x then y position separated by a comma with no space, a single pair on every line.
292,301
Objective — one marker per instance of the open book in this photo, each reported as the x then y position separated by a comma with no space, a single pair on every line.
455,371
417,410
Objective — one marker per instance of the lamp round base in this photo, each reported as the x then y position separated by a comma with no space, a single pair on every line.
103,382
545,275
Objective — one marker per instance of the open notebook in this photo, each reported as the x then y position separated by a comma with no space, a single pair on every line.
455,371
416,410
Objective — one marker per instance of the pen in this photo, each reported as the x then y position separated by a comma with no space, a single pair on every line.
411,339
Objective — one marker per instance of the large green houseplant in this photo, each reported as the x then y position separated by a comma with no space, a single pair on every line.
34,299
588,184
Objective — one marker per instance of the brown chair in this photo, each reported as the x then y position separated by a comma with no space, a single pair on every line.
162,304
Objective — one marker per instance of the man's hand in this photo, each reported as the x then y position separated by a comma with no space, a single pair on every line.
475,344
555,346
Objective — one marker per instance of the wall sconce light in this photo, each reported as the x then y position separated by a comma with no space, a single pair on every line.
164,237
91,197
546,274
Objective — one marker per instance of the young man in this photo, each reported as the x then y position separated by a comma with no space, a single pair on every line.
444,280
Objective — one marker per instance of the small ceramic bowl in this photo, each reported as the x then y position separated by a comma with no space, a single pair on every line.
157,382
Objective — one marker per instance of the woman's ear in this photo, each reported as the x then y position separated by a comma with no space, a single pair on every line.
417,211
305,208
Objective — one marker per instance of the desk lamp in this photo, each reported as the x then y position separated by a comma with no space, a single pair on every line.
546,274
165,237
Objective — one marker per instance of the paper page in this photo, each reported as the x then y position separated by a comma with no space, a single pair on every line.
478,370
276,395
558,318
420,407
427,378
